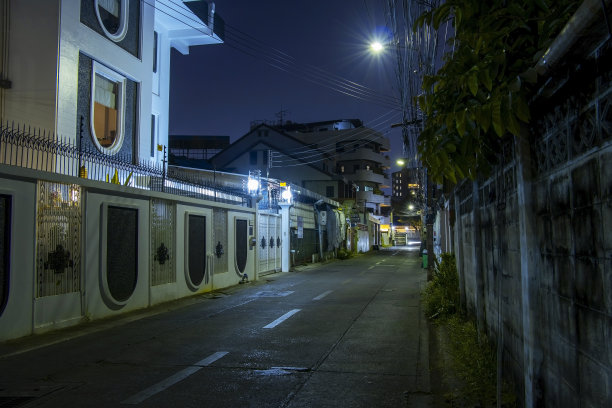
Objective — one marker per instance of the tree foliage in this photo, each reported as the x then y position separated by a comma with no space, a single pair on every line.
481,92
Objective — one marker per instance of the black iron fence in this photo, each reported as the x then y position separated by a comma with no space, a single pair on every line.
35,149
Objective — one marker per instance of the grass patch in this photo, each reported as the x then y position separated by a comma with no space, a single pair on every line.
442,293
470,372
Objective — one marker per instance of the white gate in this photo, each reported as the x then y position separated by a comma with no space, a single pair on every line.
269,243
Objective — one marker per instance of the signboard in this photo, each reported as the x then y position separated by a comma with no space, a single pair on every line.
300,227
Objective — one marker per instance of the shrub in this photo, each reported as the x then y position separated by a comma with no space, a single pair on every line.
343,254
442,293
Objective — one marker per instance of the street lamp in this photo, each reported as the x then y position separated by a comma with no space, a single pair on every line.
287,195
376,47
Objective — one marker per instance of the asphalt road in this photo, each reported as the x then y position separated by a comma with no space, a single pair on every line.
343,334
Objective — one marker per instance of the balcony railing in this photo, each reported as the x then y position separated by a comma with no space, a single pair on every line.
364,155
366,176
46,152
371,197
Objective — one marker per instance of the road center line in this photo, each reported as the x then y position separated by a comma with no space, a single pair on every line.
347,281
173,379
322,295
281,319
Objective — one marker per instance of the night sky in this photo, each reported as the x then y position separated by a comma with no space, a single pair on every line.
218,89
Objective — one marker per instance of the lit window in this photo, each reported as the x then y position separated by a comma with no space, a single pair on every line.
108,101
112,16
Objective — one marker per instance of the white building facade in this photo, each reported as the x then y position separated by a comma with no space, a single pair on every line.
97,71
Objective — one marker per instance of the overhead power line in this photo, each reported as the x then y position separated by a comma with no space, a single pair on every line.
249,45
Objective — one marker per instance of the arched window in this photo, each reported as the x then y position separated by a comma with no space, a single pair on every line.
113,17
107,108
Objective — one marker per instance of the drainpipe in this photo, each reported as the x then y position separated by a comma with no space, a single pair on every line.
211,18
588,12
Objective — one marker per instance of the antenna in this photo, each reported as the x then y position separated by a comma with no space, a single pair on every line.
281,115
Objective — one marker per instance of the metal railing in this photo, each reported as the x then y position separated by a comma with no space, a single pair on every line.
35,149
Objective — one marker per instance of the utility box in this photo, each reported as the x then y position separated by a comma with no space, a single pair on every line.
425,259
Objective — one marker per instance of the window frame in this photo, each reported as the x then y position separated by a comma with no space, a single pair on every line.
123,21
111,75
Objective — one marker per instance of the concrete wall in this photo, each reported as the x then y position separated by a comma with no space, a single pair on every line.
534,247
27,311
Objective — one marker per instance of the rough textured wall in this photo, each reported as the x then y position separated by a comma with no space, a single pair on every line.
575,235
570,275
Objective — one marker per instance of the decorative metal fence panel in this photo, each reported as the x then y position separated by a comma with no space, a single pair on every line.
220,240
163,222
269,243
58,241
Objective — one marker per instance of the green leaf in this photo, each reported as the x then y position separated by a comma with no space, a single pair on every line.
460,118
485,79
542,4
450,119
511,123
484,117
473,84
496,115
521,109
515,84
458,14
441,14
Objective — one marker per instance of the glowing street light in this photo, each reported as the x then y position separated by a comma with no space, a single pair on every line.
377,47
252,185
286,195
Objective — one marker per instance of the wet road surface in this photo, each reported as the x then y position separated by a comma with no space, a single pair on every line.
342,334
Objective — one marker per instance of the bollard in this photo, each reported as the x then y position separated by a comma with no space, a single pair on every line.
424,259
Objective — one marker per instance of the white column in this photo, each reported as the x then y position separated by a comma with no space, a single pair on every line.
285,240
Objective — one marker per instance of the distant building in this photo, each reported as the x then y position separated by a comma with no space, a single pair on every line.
194,150
279,155
359,156
405,184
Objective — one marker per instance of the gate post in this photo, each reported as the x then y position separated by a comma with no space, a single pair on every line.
285,233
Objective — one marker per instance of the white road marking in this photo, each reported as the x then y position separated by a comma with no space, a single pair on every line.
322,295
271,293
347,281
173,379
281,319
